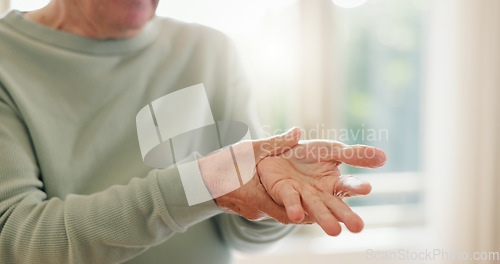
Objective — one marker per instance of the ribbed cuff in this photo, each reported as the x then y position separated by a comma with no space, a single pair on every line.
194,187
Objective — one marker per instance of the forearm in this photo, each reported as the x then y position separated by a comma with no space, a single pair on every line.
107,227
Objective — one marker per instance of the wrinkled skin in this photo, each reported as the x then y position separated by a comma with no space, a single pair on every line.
301,183
307,182
98,19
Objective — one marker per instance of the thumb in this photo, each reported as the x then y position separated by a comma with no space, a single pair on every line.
276,145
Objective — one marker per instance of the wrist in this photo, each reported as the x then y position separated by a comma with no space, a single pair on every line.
228,169
219,173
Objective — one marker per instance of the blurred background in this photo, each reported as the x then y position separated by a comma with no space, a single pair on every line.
418,78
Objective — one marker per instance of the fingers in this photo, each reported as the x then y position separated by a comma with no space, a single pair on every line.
362,156
355,155
277,212
344,214
348,186
277,144
292,202
283,215
324,209
334,151
288,197
321,214
329,211
308,205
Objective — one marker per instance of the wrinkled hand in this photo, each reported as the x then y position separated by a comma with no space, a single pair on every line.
250,200
307,182
295,183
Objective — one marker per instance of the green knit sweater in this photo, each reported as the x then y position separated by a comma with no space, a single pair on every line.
73,187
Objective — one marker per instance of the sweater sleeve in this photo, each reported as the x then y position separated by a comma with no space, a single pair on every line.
105,227
250,236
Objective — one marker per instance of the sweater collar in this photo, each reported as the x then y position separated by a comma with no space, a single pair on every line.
66,40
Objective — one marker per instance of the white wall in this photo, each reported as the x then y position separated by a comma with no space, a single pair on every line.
4,6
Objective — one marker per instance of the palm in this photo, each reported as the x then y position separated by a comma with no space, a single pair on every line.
306,180
322,176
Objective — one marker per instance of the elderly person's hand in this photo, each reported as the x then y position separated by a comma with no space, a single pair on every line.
307,182
250,200
296,183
